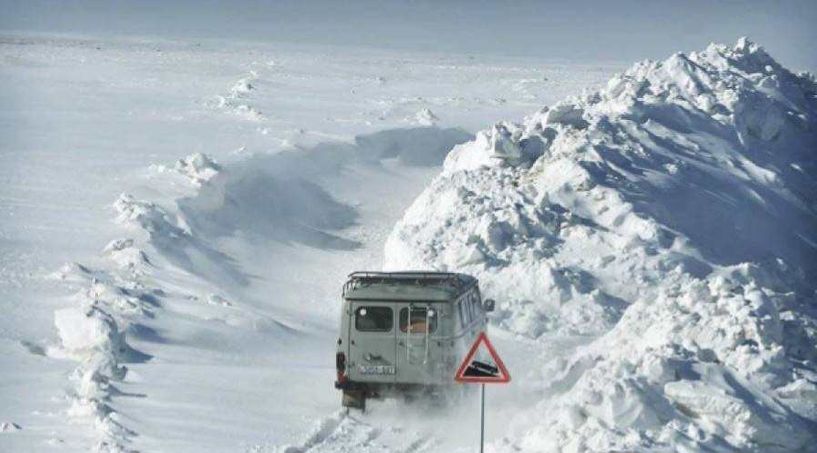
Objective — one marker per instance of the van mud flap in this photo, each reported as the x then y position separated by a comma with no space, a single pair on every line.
355,399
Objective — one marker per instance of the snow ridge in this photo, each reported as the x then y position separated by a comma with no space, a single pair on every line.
670,215
110,300
92,332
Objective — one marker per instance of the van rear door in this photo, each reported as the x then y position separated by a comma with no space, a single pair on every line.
417,356
372,342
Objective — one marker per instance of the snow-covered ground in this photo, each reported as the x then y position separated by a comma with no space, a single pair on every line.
176,219
669,221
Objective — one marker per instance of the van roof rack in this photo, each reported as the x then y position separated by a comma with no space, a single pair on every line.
365,278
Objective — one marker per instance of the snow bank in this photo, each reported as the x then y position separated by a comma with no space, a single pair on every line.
92,332
279,196
109,301
671,214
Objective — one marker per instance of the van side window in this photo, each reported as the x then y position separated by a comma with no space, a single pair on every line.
477,305
422,321
374,319
461,308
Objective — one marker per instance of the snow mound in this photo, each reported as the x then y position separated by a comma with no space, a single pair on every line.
147,216
172,236
9,427
672,215
84,329
425,117
235,101
243,86
125,254
198,168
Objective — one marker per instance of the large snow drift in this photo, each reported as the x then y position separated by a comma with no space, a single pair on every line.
670,215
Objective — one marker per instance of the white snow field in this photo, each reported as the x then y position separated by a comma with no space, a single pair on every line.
667,223
177,219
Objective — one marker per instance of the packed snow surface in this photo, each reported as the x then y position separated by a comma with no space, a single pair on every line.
669,220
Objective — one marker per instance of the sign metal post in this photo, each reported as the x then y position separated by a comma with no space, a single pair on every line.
485,369
482,420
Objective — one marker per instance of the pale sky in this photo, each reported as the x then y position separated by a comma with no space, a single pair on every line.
627,30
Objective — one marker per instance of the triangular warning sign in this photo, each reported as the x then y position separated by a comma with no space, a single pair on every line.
482,364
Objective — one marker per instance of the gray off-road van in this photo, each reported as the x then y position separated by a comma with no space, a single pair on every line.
405,331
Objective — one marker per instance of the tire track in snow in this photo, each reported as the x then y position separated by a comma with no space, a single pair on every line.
345,433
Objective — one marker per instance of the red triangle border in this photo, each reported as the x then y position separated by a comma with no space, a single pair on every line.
460,376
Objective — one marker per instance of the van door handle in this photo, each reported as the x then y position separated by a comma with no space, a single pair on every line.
400,343
370,357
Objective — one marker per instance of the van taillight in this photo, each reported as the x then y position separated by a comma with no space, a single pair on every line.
340,364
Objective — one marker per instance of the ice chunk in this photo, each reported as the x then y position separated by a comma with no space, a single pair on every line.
566,113
426,117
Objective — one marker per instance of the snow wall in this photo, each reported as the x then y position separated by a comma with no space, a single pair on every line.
672,217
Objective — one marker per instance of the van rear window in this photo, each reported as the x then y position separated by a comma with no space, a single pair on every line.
374,319
422,320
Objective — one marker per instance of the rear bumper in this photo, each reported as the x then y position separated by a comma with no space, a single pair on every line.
384,389
351,385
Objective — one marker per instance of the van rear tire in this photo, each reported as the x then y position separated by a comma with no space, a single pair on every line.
354,398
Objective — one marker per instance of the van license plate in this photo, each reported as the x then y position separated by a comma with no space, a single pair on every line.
376,369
